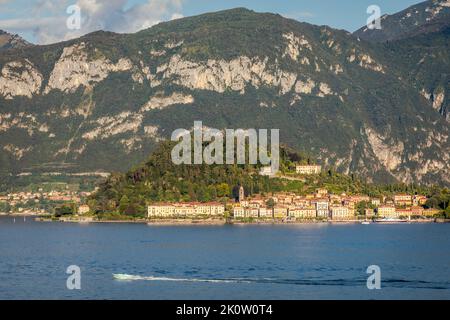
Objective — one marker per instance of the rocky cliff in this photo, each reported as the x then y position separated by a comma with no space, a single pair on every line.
101,102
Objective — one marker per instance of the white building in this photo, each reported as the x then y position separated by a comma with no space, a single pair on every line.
308,169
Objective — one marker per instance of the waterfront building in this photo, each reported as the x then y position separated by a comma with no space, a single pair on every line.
265,212
202,209
403,213
387,211
308,169
322,207
83,209
280,212
184,210
161,210
417,211
238,212
251,212
303,213
188,209
430,212
340,213
217,209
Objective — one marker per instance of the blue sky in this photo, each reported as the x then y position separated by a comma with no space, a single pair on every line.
43,21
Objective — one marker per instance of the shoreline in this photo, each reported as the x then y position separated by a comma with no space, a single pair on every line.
222,222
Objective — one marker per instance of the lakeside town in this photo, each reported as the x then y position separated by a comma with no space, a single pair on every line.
280,207
42,202
289,207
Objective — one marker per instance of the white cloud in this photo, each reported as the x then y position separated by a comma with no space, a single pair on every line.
298,15
49,17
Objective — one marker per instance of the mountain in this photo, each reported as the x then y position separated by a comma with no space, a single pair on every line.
11,41
426,17
418,38
103,101
427,59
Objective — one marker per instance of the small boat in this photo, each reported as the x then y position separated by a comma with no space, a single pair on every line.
365,222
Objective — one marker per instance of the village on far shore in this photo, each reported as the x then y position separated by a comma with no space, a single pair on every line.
291,207
277,207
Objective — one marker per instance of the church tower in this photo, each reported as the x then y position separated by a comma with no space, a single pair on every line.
241,194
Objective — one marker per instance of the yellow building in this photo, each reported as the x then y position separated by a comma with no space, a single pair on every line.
166,210
340,213
387,212
280,212
303,213
403,213
430,212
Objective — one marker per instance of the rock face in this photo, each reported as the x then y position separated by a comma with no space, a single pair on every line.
101,102
74,69
19,78
220,75
161,101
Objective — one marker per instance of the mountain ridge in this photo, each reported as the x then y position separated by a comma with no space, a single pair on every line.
423,18
12,41
103,101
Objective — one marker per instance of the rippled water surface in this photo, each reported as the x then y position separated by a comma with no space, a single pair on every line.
132,261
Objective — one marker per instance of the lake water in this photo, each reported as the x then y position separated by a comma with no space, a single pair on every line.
223,262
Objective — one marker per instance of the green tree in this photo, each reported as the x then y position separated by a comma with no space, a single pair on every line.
270,203
223,190
124,204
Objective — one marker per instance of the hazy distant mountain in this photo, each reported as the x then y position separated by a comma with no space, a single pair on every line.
425,17
103,101
11,41
421,44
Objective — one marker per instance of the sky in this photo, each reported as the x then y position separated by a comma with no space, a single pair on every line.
45,21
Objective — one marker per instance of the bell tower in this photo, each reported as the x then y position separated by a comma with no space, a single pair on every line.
241,194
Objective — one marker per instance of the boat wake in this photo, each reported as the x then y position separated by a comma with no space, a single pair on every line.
393,283
129,277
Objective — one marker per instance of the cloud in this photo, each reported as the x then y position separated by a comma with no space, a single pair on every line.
299,15
48,24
